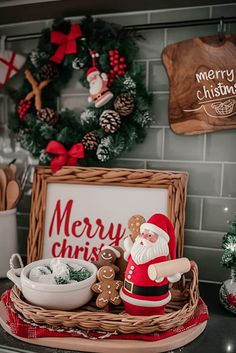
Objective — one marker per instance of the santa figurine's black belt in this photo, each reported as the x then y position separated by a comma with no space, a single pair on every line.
146,291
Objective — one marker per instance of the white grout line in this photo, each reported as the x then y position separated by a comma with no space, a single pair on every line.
159,92
186,161
210,232
165,37
222,179
147,74
201,214
204,147
71,95
163,144
202,248
210,11
207,281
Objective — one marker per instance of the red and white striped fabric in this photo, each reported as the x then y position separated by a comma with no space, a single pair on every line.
27,330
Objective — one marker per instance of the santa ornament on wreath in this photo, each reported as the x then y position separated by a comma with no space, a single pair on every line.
98,84
152,265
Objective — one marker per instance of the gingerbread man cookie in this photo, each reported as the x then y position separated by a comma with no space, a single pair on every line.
107,257
107,287
134,224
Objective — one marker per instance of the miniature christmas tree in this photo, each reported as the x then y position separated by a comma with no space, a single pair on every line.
229,246
228,288
78,274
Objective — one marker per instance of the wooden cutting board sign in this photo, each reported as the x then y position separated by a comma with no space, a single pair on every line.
202,76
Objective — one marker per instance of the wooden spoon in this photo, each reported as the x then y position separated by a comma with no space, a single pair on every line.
13,168
3,185
7,170
13,193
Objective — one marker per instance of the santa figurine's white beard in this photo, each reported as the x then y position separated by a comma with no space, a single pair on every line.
95,85
148,251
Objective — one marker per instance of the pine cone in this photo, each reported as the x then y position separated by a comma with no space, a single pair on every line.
124,104
49,71
90,141
102,153
110,121
48,116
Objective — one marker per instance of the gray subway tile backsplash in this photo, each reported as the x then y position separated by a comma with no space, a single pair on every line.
229,180
122,163
158,80
23,28
210,159
22,233
126,19
221,146
159,109
217,213
204,179
152,44
183,33
209,263
193,212
183,147
22,219
224,10
203,238
184,14
150,148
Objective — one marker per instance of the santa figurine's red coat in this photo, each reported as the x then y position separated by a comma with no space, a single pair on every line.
99,92
140,294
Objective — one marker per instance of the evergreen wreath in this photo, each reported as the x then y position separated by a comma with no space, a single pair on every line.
117,114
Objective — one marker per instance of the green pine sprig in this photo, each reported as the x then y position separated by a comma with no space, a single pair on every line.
229,247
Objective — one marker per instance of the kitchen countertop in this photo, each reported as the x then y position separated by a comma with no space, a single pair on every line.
218,337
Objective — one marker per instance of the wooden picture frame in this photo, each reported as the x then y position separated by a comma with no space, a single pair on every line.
131,184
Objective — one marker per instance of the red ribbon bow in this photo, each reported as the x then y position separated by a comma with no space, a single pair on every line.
66,42
64,157
231,299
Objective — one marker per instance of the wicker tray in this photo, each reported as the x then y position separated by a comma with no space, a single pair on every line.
179,310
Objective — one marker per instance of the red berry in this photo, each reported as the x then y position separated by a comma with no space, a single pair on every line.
111,52
116,68
120,72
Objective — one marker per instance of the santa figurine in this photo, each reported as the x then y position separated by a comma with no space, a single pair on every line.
155,244
99,92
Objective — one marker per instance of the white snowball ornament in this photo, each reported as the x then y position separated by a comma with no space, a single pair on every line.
38,271
48,279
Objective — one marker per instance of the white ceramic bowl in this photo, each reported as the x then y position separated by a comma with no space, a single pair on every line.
55,296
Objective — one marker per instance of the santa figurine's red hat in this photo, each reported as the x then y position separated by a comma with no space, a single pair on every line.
91,71
161,225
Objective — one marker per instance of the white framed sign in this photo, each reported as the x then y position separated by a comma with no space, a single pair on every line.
77,211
